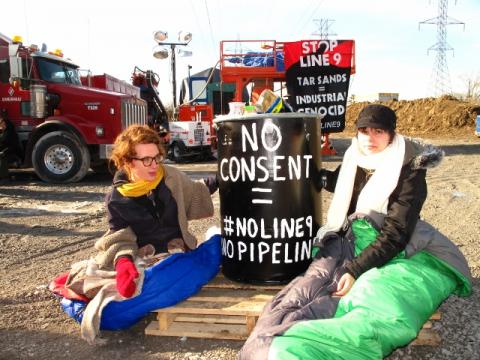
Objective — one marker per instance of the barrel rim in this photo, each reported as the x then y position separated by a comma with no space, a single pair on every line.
289,115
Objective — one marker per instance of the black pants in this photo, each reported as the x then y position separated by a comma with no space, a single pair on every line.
3,165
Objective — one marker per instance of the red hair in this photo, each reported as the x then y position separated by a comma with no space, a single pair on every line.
124,145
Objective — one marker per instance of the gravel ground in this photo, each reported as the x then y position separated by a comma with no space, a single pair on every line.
44,228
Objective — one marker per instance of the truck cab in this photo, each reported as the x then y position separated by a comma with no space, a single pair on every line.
64,127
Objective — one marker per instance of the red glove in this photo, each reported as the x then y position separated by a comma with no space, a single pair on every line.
126,275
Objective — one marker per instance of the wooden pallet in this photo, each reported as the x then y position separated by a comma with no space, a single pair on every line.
225,309
428,336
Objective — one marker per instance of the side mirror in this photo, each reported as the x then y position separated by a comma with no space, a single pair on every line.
16,72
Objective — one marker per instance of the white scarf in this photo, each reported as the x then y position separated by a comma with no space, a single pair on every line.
374,195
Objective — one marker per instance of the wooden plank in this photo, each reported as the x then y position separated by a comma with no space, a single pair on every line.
251,322
229,308
220,281
222,302
427,325
437,315
427,337
229,295
211,331
164,320
212,319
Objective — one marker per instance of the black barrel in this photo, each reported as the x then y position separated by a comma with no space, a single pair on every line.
270,210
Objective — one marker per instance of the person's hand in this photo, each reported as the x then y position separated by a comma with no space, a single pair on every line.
319,178
126,275
176,245
212,183
344,285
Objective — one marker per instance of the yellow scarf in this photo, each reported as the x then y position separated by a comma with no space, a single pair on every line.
141,187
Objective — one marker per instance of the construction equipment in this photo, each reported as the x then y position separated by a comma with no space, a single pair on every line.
65,123
187,138
260,63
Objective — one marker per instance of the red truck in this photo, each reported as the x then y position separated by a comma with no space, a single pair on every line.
64,127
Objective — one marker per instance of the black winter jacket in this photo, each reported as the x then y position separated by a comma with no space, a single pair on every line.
404,205
153,218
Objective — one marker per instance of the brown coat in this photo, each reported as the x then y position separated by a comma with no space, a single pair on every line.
113,245
193,201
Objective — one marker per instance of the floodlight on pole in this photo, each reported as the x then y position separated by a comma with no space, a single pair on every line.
184,36
161,52
160,36
184,53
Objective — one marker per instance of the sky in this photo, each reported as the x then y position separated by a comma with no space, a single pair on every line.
112,36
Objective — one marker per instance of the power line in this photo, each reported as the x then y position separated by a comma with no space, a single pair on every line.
27,37
440,74
209,24
309,14
301,21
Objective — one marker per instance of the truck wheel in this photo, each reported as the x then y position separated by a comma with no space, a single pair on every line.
60,157
177,152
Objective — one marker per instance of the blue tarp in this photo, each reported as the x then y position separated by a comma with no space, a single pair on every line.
260,59
166,283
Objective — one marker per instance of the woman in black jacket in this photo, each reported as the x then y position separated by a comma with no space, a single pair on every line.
382,173
380,184
155,200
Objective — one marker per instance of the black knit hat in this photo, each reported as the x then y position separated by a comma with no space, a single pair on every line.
377,117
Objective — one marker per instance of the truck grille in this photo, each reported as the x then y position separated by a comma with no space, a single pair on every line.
134,111
198,135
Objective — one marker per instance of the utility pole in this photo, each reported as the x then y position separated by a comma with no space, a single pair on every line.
440,75
323,28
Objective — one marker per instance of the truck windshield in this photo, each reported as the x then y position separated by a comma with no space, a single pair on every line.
58,72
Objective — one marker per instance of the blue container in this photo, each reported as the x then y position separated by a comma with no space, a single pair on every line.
477,129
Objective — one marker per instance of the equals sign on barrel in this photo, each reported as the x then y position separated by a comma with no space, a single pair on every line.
256,190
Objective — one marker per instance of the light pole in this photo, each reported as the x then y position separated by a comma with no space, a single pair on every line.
190,90
160,52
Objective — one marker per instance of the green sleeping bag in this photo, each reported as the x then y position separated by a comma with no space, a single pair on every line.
385,308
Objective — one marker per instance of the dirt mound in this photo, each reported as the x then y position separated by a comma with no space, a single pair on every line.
436,116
